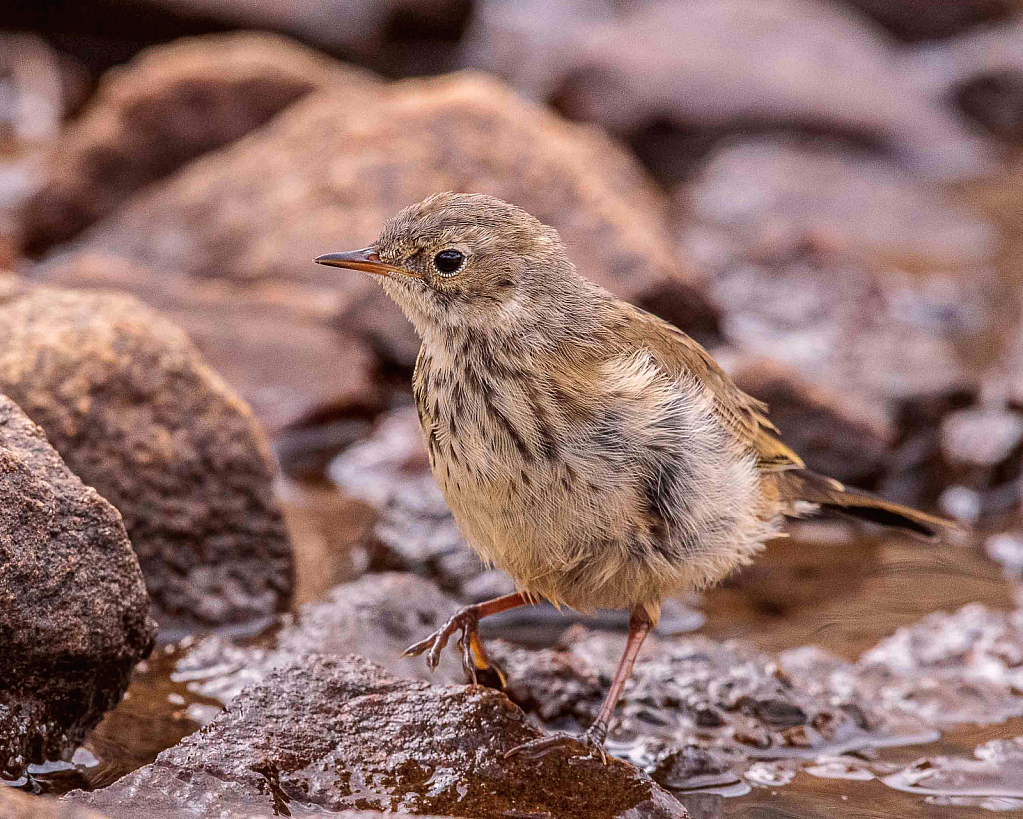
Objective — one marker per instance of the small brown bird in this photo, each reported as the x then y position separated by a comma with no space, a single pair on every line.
593,451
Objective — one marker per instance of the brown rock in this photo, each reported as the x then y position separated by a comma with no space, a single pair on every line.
246,221
343,733
167,106
713,66
724,700
132,408
377,617
74,615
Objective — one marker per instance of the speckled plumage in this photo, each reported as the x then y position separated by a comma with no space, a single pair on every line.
593,451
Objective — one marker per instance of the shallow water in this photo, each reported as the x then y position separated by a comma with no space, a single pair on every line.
844,603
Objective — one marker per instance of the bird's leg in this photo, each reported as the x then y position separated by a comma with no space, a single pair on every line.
642,620
474,656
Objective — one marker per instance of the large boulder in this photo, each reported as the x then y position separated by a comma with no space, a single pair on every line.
241,225
168,105
337,733
74,615
133,409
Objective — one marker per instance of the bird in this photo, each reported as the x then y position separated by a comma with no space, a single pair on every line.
595,452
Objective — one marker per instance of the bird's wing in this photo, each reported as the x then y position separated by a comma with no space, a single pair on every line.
679,355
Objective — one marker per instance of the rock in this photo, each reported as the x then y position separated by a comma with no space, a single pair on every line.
710,67
134,411
950,668
16,805
74,615
696,707
996,770
336,733
242,225
377,616
167,106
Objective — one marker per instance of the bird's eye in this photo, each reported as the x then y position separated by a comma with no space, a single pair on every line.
449,262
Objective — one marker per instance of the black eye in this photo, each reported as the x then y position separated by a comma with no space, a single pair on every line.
449,262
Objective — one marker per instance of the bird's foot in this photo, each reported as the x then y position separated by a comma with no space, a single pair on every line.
592,739
474,657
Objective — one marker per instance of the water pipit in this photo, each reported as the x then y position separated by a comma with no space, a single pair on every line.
593,451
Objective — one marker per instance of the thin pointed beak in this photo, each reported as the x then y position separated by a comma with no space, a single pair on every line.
366,260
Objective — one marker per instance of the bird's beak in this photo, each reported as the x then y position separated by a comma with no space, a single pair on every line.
366,260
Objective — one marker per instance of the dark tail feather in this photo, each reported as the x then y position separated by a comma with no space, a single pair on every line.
804,485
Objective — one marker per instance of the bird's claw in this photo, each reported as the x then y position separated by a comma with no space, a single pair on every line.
592,739
473,656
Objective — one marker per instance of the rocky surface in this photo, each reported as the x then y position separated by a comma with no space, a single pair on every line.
235,231
167,106
377,617
336,733
996,770
134,411
74,615
699,713
966,666
671,70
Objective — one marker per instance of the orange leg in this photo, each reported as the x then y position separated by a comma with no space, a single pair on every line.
640,624
474,657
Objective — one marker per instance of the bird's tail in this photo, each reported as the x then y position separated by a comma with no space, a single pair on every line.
803,485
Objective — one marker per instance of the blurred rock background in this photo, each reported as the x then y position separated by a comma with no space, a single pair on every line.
828,194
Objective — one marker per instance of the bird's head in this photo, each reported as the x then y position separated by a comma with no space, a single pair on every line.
469,261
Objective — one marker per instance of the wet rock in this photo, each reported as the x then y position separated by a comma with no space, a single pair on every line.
950,668
246,221
696,707
335,733
833,430
16,805
167,106
74,615
715,66
995,770
377,616
134,411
